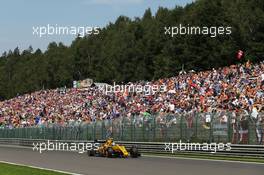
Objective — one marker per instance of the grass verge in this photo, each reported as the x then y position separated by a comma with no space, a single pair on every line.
9,169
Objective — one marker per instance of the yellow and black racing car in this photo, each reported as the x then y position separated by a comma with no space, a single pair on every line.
108,148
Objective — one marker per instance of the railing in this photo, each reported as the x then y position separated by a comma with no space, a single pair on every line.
254,151
205,127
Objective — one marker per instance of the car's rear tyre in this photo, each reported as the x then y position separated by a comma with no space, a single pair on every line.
91,153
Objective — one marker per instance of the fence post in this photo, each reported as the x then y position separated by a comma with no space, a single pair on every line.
94,130
196,125
229,128
249,132
112,130
87,132
122,129
211,128
143,128
181,128
102,130
154,129
131,128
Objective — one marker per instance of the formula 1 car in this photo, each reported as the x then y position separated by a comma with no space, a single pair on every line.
108,148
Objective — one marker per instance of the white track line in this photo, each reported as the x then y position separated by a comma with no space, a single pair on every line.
16,146
213,160
35,167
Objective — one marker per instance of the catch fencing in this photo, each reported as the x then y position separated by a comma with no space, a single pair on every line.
203,127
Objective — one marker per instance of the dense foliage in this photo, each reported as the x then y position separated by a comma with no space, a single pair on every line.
138,49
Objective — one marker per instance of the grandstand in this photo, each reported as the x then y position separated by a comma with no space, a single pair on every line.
237,89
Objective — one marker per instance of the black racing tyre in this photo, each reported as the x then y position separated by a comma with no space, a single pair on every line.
134,152
91,153
109,152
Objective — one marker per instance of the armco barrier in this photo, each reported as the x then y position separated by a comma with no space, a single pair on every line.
256,151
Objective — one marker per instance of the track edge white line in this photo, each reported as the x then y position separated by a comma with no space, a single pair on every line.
40,168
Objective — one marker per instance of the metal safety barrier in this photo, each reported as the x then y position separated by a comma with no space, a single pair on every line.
256,151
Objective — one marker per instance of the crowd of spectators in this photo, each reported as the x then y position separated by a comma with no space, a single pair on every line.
237,89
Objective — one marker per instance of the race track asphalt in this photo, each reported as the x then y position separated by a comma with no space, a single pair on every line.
82,164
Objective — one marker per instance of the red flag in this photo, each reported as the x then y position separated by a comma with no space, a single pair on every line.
240,54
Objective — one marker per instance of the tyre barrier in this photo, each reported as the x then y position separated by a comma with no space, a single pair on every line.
256,151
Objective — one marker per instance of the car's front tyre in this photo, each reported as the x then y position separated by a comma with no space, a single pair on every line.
134,153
